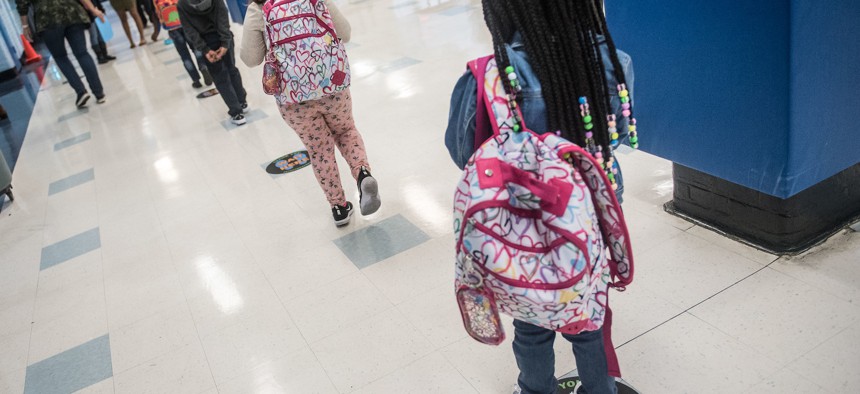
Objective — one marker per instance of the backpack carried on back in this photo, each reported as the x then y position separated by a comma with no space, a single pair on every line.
305,60
169,14
540,235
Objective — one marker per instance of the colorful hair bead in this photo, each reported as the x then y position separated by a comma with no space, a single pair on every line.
612,129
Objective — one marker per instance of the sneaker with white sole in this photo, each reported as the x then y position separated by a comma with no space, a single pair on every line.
342,214
245,108
82,99
101,100
238,120
368,187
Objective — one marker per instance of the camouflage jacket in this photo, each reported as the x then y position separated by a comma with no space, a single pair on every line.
48,14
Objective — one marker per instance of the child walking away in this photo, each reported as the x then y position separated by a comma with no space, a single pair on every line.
207,28
168,14
540,234
294,37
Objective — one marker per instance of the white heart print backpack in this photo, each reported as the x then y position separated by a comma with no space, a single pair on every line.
540,235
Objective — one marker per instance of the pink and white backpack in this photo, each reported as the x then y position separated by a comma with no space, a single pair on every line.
539,233
305,60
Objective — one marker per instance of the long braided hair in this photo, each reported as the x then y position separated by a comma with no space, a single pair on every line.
562,43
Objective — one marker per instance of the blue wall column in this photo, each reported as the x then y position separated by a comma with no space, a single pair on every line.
759,95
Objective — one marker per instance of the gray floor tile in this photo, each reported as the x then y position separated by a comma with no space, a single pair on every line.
72,141
72,370
70,248
380,241
71,181
172,61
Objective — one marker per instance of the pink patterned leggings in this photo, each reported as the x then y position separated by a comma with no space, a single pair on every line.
322,125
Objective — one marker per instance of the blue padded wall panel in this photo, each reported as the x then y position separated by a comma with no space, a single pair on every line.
711,83
825,95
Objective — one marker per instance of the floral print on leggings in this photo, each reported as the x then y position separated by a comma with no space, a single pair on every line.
322,125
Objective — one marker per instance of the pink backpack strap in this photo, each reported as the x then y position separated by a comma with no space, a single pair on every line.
612,225
483,129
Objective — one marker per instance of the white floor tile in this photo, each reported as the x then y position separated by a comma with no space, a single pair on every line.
435,314
369,350
833,365
12,381
151,337
256,339
699,269
431,374
786,381
104,387
711,361
777,315
336,306
183,370
829,267
67,317
298,372
729,244
414,271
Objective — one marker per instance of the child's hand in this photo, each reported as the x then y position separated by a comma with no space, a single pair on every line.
212,56
221,52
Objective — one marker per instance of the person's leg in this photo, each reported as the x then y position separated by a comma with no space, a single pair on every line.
123,18
338,116
55,40
78,43
95,37
136,16
308,123
535,358
591,364
235,76
221,77
150,12
182,50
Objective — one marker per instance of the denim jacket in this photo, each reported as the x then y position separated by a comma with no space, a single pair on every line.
460,135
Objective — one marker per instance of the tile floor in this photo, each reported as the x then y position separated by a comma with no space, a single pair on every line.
148,250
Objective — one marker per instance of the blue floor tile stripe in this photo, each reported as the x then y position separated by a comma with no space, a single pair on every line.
72,141
71,181
71,370
70,248
380,241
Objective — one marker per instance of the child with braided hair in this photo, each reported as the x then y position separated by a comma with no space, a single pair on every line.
569,79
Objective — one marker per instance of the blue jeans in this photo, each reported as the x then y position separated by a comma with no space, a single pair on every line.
536,360
181,45
55,40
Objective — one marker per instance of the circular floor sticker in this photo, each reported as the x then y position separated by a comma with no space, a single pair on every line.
289,163
571,384
208,93
568,385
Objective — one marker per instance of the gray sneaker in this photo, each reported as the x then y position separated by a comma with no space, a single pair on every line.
369,189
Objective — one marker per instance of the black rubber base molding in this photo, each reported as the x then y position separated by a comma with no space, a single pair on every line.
780,226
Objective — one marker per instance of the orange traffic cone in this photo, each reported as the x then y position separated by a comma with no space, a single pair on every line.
30,55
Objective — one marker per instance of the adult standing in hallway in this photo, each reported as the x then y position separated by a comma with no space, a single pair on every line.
58,21
149,11
123,8
207,28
